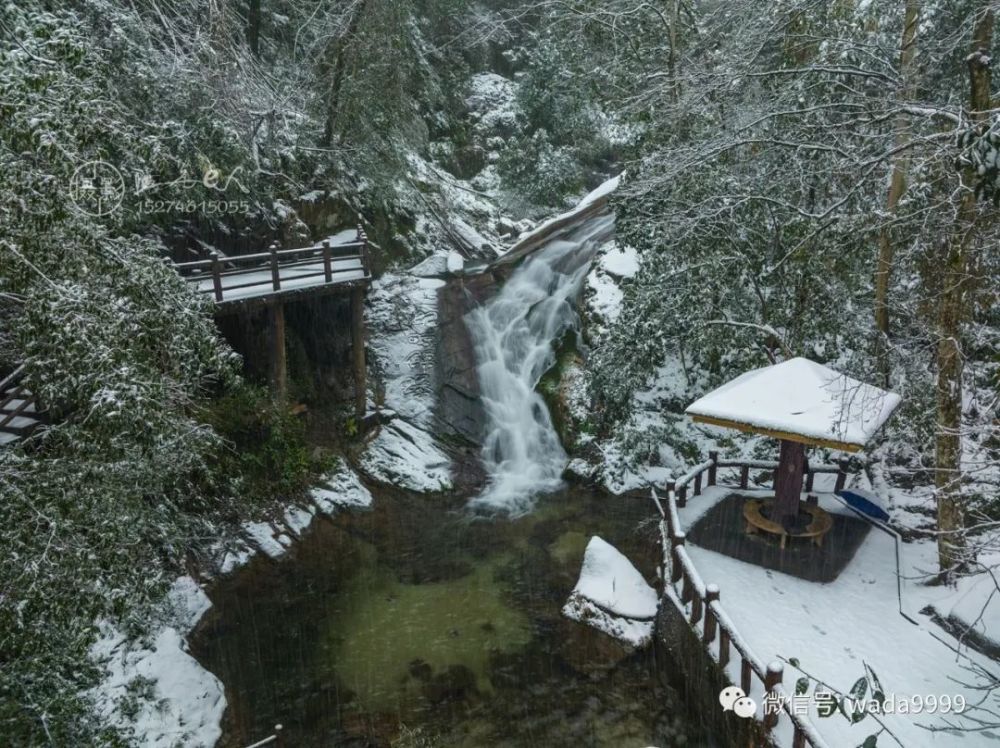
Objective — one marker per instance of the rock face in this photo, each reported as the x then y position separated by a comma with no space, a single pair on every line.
459,412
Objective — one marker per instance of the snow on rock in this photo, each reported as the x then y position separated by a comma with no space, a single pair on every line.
620,262
434,266
263,535
406,456
402,317
298,518
234,559
341,488
601,192
604,296
612,596
799,396
492,103
156,690
455,262
188,602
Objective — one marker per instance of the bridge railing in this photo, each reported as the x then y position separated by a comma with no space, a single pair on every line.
320,258
702,604
12,390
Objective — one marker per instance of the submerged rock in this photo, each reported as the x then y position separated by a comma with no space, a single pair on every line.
456,683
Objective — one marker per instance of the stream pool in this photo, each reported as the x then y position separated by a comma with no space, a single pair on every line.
418,624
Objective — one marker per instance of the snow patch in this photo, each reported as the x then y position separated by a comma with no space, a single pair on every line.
157,691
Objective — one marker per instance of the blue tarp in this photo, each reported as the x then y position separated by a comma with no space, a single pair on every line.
864,502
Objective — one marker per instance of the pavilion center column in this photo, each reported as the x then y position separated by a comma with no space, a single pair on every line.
788,480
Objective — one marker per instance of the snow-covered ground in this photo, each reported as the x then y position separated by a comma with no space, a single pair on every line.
154,689
833,630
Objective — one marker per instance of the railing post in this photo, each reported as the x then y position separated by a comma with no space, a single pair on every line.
810,476
798,738
711,595
275,274
327,267
279,740
216,274
696,607
841,476
363,239
714,457
744,476
723,646
676,541
687,589
697,485
746,673
775,671
682,494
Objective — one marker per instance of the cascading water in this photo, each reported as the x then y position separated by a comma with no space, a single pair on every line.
514,335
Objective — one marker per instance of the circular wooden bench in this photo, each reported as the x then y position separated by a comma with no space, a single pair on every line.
819,524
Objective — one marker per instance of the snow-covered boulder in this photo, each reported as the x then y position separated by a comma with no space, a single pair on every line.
612,596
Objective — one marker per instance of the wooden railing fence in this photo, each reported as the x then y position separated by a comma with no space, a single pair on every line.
702,603
12,390
277,261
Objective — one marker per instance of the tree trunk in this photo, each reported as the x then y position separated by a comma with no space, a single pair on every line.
337,74
253,27
897,186
951,310
788,482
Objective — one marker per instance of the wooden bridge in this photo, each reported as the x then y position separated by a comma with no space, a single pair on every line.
235,282
340,265
20,412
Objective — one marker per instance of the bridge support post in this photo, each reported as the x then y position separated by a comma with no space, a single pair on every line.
358,352
279,363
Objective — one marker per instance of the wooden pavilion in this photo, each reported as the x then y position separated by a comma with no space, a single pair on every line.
801,403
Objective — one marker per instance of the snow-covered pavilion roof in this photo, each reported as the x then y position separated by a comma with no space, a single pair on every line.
801,401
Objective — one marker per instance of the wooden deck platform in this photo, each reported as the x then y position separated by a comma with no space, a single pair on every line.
240,281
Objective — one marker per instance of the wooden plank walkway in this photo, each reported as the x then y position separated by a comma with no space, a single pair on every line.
20,413
243,280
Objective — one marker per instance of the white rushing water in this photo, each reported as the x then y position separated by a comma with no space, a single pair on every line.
514,336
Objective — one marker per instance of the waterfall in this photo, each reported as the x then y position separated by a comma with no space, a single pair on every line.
514,336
